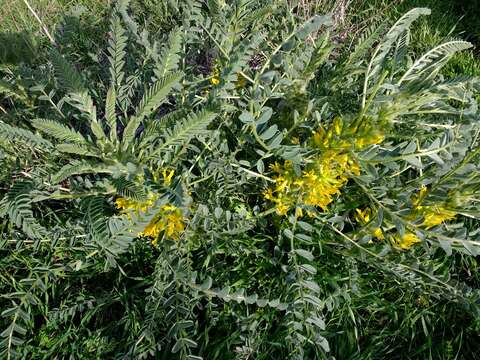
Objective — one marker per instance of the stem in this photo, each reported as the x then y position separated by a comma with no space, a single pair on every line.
366,105
42,25
378,257
253,173
53,104
465,160
402,157
257,137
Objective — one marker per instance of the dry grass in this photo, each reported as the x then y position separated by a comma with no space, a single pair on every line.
308,8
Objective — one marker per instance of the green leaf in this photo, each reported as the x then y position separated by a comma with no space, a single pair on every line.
430,64
150,102
76,149
67,75
110,114
116,49
194,125
385,45
59,131
305,254
80,168
12,134
19,209
169,57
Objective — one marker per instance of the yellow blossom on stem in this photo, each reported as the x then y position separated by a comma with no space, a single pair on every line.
433,215
168,220
282,208
317,186
362,216
377,232
167,176
129,204
406,241
298,212
371,138
322,179
215,79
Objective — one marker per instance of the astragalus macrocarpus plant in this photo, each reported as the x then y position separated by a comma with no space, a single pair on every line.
242,189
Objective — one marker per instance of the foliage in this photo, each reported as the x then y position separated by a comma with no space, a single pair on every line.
243,187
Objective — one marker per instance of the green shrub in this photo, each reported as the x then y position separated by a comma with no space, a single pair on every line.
242,188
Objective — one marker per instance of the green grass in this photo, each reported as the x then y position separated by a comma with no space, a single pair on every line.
373,312
449,19
17,18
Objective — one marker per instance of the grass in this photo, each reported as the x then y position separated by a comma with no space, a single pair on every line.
449,19
16,18
360,321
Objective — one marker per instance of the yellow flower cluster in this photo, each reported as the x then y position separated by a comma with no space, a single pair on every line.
433,215
322,179
406,241
338,136
215,80
436,215
316,186
169,220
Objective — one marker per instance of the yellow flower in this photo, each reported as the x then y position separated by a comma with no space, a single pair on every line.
371,138
337,125
153,229
167,176
406,241
215,79
268,194
316,186
282,209
377,232
276,167
168,220
298,212
122,203
363,217
323,178
175,225
434,215
421,195
319,139
137,206
282,184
